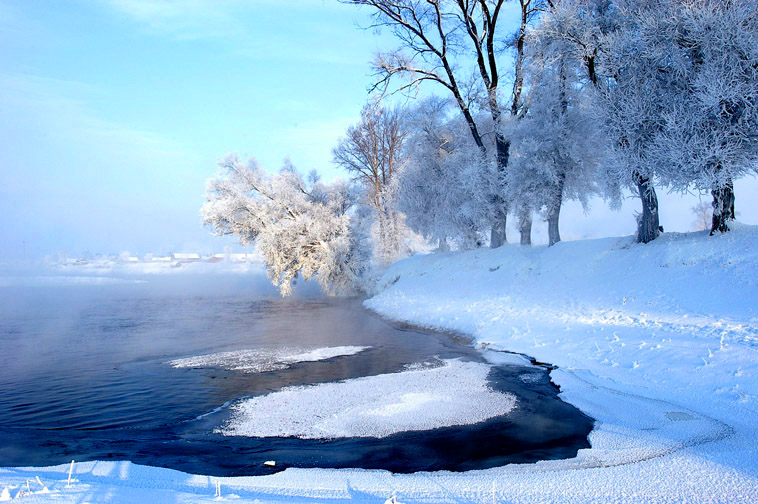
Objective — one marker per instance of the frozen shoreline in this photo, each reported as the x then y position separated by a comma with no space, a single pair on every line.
658,342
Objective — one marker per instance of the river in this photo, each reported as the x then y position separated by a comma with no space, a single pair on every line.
88,373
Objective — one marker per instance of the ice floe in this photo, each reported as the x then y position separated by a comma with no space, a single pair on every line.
454,393
261,360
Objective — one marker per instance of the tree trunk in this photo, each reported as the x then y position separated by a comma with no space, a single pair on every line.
394,232
553,234
383,250
525,226
554,212
497,233
723,207
382,230
444,247
648,227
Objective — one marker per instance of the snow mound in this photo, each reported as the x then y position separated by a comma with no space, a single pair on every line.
261,360
455,393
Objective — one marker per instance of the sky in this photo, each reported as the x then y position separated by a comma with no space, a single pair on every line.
113,114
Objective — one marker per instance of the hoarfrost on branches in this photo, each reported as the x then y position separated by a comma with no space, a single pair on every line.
298,228
678,90
446,182
710,120
557,145
458,45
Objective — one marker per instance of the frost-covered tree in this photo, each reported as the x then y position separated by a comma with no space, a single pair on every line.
677,81
608,37
631,109
703,213
709,135
371,152
443,187
557,145
457,44
299,228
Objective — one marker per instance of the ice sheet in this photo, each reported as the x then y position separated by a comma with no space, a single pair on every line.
455,393
261,360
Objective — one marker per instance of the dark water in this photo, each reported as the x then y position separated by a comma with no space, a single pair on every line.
83,376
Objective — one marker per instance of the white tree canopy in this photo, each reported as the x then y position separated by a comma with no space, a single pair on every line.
299,229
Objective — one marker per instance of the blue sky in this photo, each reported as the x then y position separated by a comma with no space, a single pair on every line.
114,112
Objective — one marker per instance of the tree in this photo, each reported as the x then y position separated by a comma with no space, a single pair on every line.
557,145
703,213
435,35
710,127
678,86
299,229
371,153
631,109
609,38
443,188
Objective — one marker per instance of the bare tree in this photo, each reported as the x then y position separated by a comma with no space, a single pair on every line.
371,151
434,36
703,213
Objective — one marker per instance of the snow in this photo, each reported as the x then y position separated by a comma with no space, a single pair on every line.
658,342
455,393
261,360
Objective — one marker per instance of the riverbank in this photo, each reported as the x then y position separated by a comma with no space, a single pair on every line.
657,342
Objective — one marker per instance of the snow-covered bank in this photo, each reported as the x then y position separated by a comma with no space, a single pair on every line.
423,398
657,342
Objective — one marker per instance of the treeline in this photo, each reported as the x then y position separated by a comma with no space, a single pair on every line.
602,96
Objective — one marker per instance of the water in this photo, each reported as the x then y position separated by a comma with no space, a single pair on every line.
84,376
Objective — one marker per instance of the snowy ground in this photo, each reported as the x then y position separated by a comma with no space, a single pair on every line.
658,342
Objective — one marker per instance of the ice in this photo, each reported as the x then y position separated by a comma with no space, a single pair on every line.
455,393
503,358
261,360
